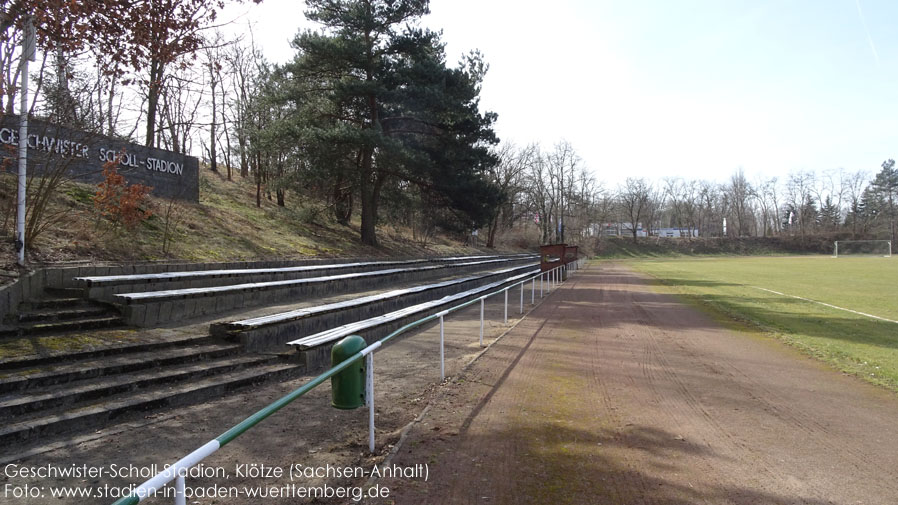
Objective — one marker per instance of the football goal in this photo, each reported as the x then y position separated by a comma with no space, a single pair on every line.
863,248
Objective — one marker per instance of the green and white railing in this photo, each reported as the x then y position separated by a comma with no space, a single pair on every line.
178,471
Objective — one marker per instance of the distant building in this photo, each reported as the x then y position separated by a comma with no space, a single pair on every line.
615,230
676,232
626,230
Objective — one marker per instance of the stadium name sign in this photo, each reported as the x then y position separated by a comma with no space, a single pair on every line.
81,155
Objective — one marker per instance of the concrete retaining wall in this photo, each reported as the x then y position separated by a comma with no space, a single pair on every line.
26,288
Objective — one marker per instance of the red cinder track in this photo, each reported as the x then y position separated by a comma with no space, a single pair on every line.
612,393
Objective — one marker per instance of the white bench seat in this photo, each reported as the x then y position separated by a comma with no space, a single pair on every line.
151,296
331,335
293,315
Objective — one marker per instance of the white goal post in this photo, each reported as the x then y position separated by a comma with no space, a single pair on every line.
863,248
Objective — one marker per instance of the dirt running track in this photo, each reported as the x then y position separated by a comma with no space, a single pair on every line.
611,393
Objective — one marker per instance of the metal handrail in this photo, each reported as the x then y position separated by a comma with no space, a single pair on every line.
178,471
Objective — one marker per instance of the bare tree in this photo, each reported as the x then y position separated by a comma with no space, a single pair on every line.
562,165
508,175
766,195
634,198
242,65
181,103
214,77
654,210
855,184
800,200
740,193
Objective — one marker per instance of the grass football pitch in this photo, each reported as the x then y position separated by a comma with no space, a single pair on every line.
742,288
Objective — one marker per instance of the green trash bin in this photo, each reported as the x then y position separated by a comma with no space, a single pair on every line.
348,386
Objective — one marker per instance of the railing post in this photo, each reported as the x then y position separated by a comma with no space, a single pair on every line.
533,291
522,297
442,362
505,317
541,275
180,490
369,396
481,322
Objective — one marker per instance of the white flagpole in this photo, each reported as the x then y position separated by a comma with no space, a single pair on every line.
28,51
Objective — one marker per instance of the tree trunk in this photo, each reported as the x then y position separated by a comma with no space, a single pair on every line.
280,196
154,90
244,163
258,174
213,159
369,217
491,234
370,189
224,124
342,202
110,127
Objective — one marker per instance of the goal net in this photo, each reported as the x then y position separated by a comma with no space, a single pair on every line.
863,248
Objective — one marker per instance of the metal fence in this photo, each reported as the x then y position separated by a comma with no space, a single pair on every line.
177,472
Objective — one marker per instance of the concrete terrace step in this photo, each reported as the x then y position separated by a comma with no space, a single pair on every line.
419,310
52,385
131,298
272,331
282,317
315,349
158,307
111,350
88,323
63,292
105,287
64,314
97,415
54,303
27,378
65,395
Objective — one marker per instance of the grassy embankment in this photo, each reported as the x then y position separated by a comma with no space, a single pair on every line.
225,225
660,247
853,343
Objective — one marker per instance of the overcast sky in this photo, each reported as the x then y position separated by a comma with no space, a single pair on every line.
690,88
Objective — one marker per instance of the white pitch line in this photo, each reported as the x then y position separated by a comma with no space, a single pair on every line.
827,305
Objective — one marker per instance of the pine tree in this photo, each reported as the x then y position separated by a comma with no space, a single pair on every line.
885,184
380,103
830,217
